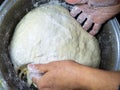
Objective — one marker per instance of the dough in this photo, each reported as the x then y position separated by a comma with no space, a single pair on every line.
48,33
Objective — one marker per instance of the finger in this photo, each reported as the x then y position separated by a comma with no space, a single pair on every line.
87,24
43,82
36,75
38,68
95,29
72,1
36,81
76,1
81,18
75,11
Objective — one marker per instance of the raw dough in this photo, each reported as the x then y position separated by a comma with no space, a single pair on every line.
48,33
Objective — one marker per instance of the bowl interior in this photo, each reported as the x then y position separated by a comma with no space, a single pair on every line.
12,12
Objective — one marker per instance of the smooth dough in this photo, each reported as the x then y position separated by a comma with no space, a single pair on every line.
48,33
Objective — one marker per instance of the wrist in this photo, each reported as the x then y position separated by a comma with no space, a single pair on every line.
95,79
85,79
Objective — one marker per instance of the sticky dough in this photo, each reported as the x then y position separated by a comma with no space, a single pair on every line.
48,33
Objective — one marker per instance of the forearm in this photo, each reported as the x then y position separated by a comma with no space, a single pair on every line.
95,79
105,80
103,2
112,10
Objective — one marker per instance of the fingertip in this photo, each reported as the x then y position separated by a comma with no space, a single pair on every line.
32,68
39,68
92,33
39,82
35,81
95,29
30,65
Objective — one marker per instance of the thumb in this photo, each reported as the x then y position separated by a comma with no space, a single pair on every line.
37,68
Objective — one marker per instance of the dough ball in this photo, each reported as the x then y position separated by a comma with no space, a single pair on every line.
49,33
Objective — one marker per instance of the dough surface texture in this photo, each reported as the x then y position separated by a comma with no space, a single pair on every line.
49,33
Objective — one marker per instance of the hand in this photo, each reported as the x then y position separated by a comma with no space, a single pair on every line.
62,75
95,16
68,75
96,12
97,3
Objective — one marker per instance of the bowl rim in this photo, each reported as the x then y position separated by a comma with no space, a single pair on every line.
116,27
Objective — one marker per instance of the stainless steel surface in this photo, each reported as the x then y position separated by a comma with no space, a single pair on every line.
109,39
11,13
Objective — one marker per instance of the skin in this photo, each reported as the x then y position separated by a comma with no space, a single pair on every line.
96,15
94,2
69,75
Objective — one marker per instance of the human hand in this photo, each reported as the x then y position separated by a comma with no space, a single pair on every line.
62,75
94,12
97,3
68,75
95,16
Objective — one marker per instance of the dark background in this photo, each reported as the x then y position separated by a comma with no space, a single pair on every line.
117,16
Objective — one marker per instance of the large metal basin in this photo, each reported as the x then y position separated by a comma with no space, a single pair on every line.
11,13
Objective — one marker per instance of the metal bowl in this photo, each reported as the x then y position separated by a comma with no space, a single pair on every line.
11,12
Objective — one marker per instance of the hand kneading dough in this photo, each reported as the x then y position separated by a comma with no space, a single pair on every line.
48,33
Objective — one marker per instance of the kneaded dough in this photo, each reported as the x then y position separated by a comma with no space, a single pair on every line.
49,33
